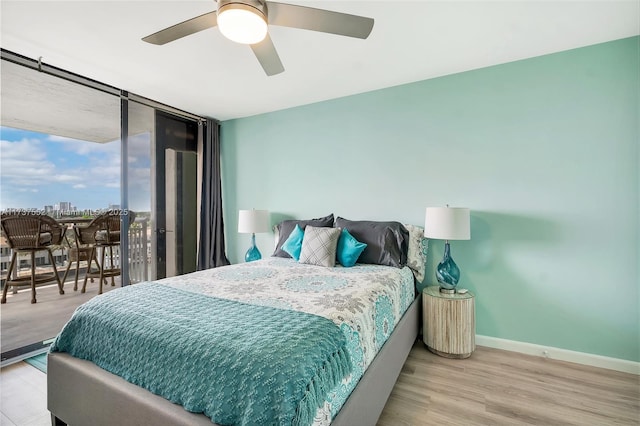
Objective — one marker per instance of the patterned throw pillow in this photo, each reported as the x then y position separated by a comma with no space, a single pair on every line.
319,246
417,252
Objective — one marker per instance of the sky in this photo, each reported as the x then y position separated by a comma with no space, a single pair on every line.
38,169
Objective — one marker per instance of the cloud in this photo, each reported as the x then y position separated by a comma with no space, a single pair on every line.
66,178
25,148
57,166
25,164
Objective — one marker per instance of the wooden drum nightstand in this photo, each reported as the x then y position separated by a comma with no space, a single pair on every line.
448,323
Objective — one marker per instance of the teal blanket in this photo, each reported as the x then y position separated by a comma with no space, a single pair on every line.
238,364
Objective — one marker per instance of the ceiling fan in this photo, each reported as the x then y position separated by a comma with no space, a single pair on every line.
246,21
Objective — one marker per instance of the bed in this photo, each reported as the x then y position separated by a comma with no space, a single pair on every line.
357,324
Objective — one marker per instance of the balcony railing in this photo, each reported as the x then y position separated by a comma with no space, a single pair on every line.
139,251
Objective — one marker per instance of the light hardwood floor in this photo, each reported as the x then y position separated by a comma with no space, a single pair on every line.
496,387
493,387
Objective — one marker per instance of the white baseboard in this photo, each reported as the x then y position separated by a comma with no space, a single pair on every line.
560,354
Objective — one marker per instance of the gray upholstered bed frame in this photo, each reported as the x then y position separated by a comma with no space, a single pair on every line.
80,393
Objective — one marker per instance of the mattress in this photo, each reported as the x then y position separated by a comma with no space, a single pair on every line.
365,302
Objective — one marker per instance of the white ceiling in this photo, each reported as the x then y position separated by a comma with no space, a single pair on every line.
208,75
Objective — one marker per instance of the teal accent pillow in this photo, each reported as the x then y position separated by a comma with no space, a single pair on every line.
349,249
293,244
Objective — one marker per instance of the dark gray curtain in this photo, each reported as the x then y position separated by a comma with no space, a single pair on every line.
211,250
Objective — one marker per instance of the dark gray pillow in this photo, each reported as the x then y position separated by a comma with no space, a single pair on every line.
387,242
287,226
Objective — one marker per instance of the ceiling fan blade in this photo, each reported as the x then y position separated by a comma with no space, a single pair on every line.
326,21
268,57
188,27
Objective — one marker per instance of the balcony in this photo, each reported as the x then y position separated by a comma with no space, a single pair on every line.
27,327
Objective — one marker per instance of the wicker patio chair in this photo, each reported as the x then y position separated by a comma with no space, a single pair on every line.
27,233
77,253
102,234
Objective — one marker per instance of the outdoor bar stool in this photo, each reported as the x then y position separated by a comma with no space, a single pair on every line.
78,253
102,234
31,233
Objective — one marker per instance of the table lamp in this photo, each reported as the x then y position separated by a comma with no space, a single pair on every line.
252,222
447,223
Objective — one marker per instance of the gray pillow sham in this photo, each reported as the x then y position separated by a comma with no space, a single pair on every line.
287,226
387,242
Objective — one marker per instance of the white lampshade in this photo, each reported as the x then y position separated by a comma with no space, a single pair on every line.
253,221
447,223
241,23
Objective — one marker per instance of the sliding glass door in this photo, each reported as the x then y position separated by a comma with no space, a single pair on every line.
60,155
162,192
139,193
72,148
176,191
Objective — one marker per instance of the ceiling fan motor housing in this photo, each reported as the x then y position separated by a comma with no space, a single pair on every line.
250,5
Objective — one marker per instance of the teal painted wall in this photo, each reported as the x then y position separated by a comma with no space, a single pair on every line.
544,151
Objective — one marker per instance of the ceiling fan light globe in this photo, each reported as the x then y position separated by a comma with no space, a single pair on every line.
242,25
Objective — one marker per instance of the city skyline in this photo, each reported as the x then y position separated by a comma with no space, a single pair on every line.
63,208
38,170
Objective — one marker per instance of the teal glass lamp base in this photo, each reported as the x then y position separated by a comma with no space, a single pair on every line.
253,253
447,272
